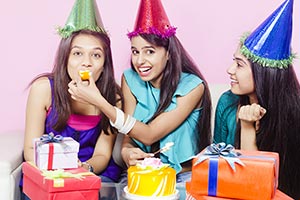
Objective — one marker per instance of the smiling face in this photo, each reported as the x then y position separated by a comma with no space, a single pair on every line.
241,75
148,60
86,54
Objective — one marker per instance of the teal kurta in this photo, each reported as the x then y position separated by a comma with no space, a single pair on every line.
184,136
225,131
225,118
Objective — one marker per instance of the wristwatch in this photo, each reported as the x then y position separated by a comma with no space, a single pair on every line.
90,167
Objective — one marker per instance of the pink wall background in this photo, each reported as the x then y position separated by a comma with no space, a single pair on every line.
209,30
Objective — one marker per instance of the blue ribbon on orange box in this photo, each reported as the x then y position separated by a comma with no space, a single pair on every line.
213,153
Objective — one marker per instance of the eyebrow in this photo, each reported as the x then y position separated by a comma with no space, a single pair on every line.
145,47
239,59
79,47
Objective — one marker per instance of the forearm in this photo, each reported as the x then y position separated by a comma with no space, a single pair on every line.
107,109
132,154
147,133
29,154
248,136
127,143
128,125
99,163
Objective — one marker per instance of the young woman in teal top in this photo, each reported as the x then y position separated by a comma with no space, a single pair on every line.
166,98
165,91
185,134
262,110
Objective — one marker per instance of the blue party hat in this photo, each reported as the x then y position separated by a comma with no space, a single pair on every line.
270,44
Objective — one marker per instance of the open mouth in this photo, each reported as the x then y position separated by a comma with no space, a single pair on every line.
233,81
144,71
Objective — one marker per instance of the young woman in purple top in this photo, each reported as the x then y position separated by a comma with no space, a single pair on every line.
84,46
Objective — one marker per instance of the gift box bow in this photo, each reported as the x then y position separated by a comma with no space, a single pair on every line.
59,175
47,138
220,150
51,138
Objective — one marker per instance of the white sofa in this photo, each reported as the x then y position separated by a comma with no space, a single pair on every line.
11,147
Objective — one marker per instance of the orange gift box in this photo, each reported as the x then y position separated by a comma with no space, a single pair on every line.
257,179
278,195
83,186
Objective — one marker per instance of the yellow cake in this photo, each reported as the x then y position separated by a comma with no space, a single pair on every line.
151,178
84,74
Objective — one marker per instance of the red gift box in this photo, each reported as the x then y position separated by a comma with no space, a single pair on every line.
212,175
278,196
85,186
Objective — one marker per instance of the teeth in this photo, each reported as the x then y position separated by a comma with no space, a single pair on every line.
143,69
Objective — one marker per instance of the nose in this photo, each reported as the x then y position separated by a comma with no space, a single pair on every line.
140,59
231,69
86,62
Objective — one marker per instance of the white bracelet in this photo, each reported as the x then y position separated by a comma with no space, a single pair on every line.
119,123
130,121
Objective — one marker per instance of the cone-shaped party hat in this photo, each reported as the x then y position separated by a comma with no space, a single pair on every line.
152,19
84,16
270,44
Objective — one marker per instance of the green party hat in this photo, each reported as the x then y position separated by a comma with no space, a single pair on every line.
84,16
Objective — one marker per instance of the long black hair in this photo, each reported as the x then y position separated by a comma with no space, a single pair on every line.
278,91
106,82
179,61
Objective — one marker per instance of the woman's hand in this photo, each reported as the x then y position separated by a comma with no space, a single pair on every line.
84,91
133,155
251,114
79,163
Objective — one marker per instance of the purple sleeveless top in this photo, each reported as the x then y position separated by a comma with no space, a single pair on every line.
85,129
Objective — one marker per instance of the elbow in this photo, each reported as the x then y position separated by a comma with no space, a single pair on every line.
151,141
148,137
147,141
28,154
